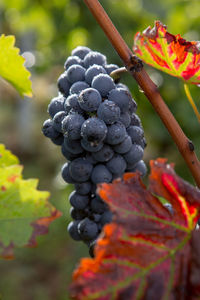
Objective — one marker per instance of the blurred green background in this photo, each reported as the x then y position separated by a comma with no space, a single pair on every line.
46,32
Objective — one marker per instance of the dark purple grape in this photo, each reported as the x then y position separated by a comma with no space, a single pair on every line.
81,51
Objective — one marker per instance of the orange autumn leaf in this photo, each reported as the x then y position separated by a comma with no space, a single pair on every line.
150,250
169,53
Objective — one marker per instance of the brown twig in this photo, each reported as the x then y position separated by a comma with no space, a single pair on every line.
134,66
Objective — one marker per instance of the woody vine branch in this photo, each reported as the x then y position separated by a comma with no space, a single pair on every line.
135,68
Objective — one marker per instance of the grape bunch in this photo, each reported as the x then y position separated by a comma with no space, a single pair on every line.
93,119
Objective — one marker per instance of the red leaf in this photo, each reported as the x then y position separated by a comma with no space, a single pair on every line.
147,252
169,53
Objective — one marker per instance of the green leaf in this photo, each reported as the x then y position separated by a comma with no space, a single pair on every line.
6,157
12,66
24,211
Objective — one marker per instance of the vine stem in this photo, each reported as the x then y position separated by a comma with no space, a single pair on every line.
190,99
134,66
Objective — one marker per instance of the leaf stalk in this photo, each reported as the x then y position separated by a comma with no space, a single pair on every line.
190,99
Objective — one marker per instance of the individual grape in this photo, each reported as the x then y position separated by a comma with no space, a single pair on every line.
93,190
106,217
80,169
121,97
103,83
111,67
91,146
132,106
48,129
73,146
75,73
109,112
67,154
116,133
71,126
77,87
56,105
93,71
122,86
99,227
77,214
57,120
98,206
141,167
89,99
58,140
72,228
94,130
136,133
72,60
130,167
135,120
95,217
83,188
78,201
90,158
104,154
134,154
81,51
94,58
124,146
75,111
63,84
125,119
101,174
66,174
116,165
87,229
143,142
72,102
87,210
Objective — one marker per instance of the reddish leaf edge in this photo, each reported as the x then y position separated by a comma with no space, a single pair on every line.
40,227
152,33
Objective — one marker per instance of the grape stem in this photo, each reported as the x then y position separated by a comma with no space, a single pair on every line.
116,74
133,65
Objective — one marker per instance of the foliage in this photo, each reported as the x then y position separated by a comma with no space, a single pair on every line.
50,30
25,212
169,53
149,251
55,27
12,66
